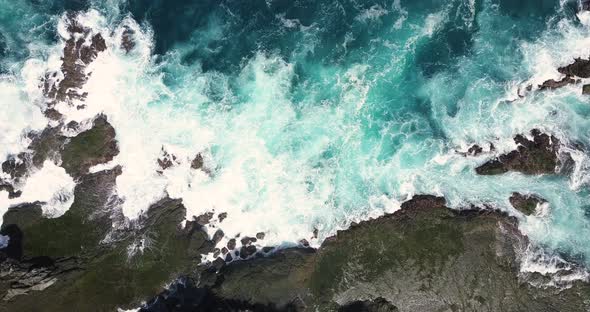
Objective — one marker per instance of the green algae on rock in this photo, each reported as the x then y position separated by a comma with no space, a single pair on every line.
424,257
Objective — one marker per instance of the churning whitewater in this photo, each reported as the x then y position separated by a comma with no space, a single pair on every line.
297,118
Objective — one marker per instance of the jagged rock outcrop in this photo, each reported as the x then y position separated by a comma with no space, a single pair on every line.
526,203
536,156
77,55
579,68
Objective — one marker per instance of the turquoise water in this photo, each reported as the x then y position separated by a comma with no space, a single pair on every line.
314,114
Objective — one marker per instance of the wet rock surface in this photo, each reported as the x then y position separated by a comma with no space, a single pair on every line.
433,259
552,84
92,147
111,268
128,40
526,203
579,68
538,155
81,48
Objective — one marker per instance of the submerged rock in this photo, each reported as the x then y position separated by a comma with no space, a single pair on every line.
128,40
526,203
536,156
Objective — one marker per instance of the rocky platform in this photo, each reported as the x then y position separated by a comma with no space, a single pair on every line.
424,257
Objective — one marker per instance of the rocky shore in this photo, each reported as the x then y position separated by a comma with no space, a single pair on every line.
424,257
431,259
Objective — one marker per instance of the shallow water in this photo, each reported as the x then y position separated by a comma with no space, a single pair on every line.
314,114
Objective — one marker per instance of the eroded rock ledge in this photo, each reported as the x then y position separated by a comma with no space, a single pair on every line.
424,257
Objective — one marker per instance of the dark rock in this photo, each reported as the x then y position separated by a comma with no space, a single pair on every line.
46,145
24,215
89,148
80,235
15,166
197,163
218,263
586,89
376,305
52,114
579,68
228,257
475,150
18,278
231,244
128,40
222,216
166,160
267,249
526,203
424,257
247,251
204,219
585,5
304,242
185,296
224,250
12,193
76,57
247,240
260,235
551,84
217,236
537,156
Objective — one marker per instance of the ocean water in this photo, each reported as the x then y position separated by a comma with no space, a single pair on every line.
315,114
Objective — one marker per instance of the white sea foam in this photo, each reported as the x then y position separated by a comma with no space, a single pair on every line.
374,13
49,185
19,116
559,272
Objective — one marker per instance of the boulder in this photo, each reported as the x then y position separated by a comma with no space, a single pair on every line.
536,156
526,203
